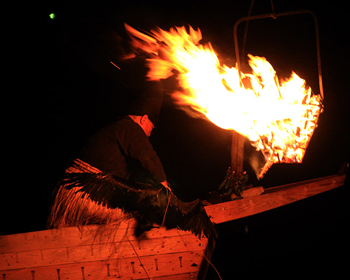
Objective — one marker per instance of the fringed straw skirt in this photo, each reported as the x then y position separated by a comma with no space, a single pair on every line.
71,208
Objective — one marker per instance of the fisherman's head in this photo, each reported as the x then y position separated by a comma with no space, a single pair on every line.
145,108
144,122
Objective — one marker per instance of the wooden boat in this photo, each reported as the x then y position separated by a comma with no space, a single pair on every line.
72,253
96,252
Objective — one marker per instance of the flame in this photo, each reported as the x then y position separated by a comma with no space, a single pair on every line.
278,117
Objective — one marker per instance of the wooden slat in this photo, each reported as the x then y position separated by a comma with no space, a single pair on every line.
70,237
101,251
250,192
178,265
166,264
56,238
272,198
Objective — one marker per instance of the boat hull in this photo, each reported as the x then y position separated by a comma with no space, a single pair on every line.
97,252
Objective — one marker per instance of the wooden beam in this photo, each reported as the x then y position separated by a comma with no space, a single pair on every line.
272,198
237,152
249,192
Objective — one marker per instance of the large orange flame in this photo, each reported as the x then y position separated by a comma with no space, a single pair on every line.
278,117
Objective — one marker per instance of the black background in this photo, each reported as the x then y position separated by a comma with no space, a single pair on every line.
73,51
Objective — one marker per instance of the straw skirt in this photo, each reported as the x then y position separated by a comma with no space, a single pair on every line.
71,208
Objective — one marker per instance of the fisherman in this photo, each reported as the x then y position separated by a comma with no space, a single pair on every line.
118,175
120,148
123,148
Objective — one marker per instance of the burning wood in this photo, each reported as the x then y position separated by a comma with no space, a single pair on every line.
278,117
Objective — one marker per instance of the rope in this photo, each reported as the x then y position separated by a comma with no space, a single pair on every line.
247,24
167,206
137,255
246,28
272,7
217,272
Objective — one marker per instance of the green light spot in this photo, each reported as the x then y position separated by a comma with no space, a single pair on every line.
52,16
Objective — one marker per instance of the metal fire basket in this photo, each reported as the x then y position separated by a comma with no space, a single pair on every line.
237,145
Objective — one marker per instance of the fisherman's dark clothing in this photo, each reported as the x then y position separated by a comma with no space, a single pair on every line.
123,149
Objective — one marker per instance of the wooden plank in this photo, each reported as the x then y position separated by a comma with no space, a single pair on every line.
72,236
96,252
272,198
250,192
58,238
184,276
166,265
182,265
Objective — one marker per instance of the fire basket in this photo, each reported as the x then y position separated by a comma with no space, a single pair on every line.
237,150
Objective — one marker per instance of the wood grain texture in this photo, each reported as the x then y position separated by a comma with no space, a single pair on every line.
97,253
272,198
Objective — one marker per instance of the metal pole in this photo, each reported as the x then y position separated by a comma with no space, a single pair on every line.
274,16
237,152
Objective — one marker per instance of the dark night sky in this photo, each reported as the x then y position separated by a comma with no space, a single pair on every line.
74,51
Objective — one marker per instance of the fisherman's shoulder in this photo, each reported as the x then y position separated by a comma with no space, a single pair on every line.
123,125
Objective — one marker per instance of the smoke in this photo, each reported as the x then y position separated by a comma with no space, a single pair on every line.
257,162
